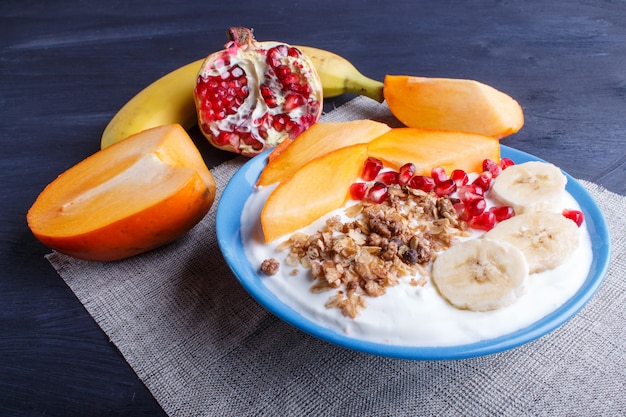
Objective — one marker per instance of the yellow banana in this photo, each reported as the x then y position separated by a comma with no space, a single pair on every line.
339,76
167,100
170,98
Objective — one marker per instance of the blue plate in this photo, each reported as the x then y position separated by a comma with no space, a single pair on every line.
229,238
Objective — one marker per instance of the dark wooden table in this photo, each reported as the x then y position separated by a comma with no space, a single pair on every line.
67,66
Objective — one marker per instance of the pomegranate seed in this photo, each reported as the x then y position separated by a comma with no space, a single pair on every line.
237,72
484,180
282,71
388,177
279,122
575,215
358,190
225,138
293,52
371,168
484,221
460,177
405,173
378,193
446,187
438,174
461,212
476,205
502,213
422,182
467,191
506,162
491,166
292,101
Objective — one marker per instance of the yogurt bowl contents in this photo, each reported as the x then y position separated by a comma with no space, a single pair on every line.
411,311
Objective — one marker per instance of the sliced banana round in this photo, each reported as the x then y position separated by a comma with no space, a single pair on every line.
546,239
481,274
530,186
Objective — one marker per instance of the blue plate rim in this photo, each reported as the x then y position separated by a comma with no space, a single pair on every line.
228,221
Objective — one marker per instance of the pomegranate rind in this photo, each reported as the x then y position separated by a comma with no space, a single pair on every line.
126,199
244,101
318,187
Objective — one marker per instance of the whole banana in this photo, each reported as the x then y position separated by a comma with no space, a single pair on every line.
339,76
170,98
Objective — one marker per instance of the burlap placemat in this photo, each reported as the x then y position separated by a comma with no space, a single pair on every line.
204,347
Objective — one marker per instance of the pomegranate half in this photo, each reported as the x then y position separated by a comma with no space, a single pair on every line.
251,95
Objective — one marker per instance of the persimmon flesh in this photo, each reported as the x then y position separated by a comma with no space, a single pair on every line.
319,139
126,199
318,187
431,148
452,104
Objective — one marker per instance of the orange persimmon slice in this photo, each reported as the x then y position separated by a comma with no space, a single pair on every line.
126,199
429,148
315,189
452,104
319,139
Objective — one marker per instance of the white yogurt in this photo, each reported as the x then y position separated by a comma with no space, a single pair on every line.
407,315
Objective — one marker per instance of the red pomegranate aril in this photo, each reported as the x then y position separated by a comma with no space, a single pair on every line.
405,173
506,162
292,101
446,187
282,71
492,166
422,182
484,221
439,175
467,191
459,177
358,190
388,177
461,212
371,168
476,205
502,213
575,215
378,193
484,180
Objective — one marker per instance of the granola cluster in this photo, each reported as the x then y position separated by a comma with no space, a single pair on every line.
382,242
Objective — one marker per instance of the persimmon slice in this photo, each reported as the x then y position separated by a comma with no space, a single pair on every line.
428,149
315,189
319,139
452,104
126,199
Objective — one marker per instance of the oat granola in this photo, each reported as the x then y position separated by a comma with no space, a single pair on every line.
380,244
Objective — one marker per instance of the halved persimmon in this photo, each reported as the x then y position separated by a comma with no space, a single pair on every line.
315,189
452,104
319,139
126,199
430,148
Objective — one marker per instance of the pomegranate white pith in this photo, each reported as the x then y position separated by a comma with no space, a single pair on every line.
252,95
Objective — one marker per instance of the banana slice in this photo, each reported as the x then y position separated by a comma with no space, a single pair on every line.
481,274
546,239
530,186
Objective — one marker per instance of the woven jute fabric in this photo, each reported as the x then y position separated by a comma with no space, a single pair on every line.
204,347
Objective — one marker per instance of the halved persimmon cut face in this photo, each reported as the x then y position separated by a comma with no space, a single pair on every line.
319,139
126,199
315,189
452,104
428,149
